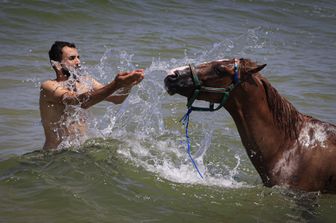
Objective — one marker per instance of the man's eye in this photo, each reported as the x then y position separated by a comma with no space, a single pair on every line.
73,57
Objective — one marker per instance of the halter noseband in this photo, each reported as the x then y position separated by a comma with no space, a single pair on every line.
199,88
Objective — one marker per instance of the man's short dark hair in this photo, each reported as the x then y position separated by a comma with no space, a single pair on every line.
55,52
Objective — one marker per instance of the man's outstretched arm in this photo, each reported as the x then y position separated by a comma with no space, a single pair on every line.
57,94
122,80
122,93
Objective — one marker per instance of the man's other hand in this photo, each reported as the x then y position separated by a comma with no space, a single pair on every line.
129,79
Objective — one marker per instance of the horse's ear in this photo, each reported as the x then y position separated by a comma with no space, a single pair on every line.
256,69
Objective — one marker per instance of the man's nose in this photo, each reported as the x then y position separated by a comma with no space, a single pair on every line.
77,61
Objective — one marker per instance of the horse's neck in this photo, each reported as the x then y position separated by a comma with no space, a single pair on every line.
255,121
256,128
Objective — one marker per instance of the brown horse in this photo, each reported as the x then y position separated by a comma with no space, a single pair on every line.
286,147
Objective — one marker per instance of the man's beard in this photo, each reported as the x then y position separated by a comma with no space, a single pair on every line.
74,73
66,72
73,76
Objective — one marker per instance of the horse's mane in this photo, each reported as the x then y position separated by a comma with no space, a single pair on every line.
285,114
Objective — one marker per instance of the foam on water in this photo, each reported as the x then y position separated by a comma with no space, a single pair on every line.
170,161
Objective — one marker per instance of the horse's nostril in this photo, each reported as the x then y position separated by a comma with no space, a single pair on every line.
174,75
170,78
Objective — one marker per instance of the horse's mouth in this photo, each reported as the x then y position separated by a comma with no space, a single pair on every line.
170,92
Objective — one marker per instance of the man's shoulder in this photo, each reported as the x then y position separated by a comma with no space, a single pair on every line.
87,78
92,81
49,84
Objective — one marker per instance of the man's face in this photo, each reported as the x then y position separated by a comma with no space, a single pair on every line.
70,58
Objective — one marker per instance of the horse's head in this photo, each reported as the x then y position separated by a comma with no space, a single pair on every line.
210,80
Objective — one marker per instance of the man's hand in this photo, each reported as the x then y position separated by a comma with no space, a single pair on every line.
129,79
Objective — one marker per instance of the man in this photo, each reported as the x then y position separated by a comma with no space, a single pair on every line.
63,99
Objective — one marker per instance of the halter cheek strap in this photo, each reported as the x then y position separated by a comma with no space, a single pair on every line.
236,74
197,84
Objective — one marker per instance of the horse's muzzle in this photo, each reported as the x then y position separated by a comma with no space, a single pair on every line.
170,81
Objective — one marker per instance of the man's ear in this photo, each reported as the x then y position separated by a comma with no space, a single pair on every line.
256,69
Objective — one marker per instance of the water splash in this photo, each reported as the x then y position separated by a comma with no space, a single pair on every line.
141,124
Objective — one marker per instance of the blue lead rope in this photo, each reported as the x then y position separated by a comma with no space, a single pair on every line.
185,122
198,88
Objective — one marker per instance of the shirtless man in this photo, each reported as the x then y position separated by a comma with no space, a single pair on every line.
70,93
